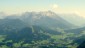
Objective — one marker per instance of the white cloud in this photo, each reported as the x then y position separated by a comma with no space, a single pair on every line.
54,6
77,12
58,9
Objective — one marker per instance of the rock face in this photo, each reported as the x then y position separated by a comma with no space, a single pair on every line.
44,19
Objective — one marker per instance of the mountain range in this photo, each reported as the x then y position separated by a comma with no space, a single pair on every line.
74,19
41,30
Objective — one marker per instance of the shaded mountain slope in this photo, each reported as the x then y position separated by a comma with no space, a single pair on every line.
82,45
76,31
10,25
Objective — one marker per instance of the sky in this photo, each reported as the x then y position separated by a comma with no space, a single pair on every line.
58,6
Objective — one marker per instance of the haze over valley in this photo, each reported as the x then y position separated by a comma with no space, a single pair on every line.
42,24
